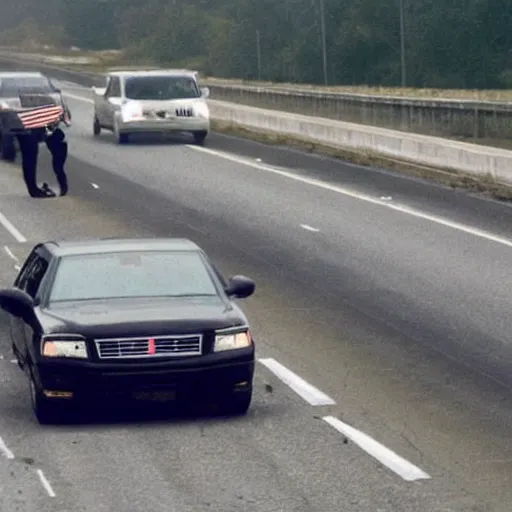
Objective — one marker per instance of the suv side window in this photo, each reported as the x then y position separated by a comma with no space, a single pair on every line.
33,275
114,88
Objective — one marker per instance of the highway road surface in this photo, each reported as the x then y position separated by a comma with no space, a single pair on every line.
381,316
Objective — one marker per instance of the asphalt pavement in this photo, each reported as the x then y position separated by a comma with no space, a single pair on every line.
389,296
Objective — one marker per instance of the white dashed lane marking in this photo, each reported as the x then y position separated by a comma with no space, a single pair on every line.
307,227
304,389
47,486
385,456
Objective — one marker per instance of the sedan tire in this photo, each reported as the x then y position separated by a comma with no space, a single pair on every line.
44,410
238,403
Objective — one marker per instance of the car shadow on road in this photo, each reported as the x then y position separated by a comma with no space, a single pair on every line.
142,139
157,415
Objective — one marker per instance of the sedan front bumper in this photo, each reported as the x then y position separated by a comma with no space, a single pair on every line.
205,377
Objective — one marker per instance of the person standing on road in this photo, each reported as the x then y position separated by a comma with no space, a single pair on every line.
29,149
58,147
42,123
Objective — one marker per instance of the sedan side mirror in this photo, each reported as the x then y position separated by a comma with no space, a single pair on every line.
205,91
17,303
240,287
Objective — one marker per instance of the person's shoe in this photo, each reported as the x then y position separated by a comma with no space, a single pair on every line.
63,184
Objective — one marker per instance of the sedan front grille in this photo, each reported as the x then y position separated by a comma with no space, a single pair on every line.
157,346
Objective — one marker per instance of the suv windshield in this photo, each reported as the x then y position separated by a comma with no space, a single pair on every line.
161,88
12,86
125,275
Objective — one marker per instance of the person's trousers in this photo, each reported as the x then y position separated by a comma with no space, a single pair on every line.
58,148
29,149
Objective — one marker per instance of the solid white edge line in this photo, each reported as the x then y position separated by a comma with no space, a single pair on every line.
385,456
10,253
7,224
346,192
361,197
5,450
46,484
305,390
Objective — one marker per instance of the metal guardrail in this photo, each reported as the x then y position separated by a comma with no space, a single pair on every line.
440,117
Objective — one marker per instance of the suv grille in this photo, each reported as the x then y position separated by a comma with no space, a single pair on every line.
157,346
184,112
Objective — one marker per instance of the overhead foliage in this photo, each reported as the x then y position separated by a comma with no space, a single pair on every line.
449,43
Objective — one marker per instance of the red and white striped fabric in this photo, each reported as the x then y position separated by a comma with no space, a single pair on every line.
40,117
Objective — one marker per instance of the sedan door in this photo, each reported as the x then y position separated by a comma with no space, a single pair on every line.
29,281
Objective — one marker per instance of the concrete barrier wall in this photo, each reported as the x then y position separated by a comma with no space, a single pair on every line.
440,117
416,148
420,149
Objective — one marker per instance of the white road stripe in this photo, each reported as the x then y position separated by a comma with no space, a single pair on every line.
10,253
307,227
4,450
384,455
346,192
6,223
361,197
308,392
46,484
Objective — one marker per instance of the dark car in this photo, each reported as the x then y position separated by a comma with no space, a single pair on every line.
129,318
14,83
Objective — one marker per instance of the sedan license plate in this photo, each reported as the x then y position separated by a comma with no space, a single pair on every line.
155,396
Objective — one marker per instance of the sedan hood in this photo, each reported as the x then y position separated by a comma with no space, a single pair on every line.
132,318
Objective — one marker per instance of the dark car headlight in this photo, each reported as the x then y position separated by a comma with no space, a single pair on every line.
71,346
232,340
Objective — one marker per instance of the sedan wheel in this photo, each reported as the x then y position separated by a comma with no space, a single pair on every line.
238,404
44,410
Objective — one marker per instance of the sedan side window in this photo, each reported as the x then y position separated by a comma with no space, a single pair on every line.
34,276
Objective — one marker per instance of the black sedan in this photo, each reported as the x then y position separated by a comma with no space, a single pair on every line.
129,318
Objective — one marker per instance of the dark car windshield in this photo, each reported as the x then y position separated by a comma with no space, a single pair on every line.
161,88
125,275
12,86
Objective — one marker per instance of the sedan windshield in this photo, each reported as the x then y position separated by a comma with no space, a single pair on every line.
125,275
12,86
161,88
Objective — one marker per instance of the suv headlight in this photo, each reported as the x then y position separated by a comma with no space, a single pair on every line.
132,111
202,110
64,345
232,341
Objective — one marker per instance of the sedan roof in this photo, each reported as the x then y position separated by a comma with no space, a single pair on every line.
111,245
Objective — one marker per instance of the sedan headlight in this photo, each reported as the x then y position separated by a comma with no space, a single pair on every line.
64,345
232,341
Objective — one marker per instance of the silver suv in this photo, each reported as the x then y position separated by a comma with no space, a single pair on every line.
155,101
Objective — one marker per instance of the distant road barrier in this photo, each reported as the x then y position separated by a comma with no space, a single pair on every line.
439,117
419,149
